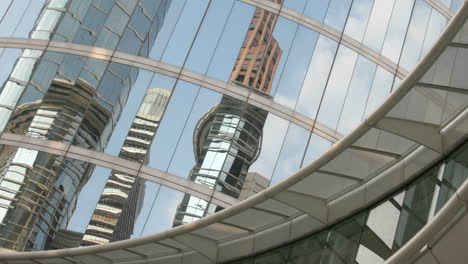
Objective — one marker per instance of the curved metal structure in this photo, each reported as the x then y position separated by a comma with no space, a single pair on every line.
422,121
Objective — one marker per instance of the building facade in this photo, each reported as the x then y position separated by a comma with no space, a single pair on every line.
249,94
67,99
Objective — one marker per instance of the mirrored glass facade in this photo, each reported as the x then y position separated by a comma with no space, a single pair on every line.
204,102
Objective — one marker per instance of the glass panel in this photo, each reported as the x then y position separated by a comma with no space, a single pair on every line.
309,250
297,5
358,17
279,256
337,87
172,125
316,9
185,30
415,36
163,210
116,215
183,158
343,240
317,146
8,58
456,4
274,131
436,26
317,77
295,67
378,23
381,88
454,175
337,13
396,29
284,33
220,38
355,102
292,153
173,12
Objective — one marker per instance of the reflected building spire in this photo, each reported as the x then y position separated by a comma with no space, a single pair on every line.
121,200
227,139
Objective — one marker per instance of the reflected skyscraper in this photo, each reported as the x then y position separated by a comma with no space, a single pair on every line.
260,53
67,98
227,139
120,202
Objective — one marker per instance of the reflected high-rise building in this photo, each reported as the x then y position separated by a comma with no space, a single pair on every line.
68,98
227,139
121,200
260,53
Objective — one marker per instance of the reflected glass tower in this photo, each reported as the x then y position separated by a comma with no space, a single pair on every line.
121,199
67,98
227,139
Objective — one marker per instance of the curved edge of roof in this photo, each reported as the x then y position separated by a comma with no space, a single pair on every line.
458,20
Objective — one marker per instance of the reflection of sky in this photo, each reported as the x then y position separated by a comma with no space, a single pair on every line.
151,192
415,35
87,202
296,66
378,23
164,209
7,60
394,37
274,130
172,125
231,41
165,33
355,103
316,77
25,11
183,159
184,32
317,146
209,35
337,87
357,20
291,154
